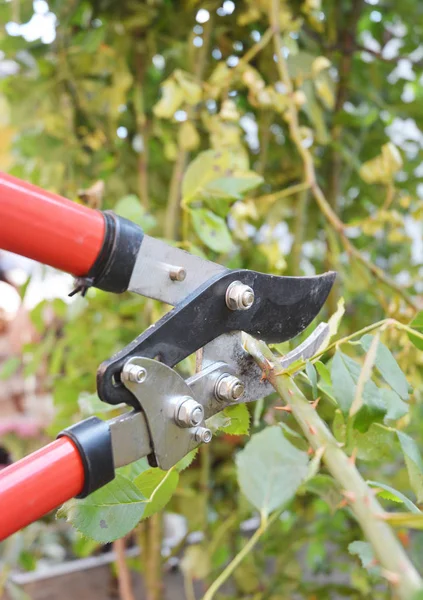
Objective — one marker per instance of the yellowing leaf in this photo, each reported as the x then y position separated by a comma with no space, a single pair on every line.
171,100
382,168
320,63
214,166
325,88
195,563
190,88
188,136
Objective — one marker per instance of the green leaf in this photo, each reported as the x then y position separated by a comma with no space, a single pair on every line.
158,486
390,493
323,372
312,375
326,488
239,420
345,374
90,404
417,324
212,230
270,469
396,408
375,444
109,513
365,553
131,208
411,520
232,187
9,367
343,383
388,367
365,375
414,463
185,462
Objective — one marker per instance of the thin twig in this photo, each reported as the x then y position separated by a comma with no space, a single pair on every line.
171,227
360,499
289,191
123,573
230,568
141,120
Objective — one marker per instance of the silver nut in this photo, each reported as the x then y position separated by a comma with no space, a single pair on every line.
202,434
189,413
134,373
239,296
177,273
229,387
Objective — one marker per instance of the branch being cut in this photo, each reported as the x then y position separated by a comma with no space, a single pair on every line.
396,566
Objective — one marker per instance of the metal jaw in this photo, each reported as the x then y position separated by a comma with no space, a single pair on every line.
173,411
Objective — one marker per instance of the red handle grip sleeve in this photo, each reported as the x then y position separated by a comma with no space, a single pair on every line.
48,228
38,483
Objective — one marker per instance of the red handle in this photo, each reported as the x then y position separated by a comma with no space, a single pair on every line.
47,227
38,483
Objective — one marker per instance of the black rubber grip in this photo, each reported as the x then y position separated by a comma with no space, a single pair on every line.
115,262
93,439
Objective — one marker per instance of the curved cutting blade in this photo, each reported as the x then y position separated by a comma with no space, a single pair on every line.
283,307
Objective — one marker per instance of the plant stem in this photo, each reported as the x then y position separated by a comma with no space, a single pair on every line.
308,163
171,227
289,191
123,573
299,229
230,568
172,211
397,567
140,62
154,558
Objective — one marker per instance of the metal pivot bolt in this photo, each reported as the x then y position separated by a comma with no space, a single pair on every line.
188,413
239,296
228,387
202,434
134,373
177,273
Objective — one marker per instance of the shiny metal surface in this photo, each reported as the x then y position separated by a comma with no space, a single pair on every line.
130,438
156,276
158,396
239,296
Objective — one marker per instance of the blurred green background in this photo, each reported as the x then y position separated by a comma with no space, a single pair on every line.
182,116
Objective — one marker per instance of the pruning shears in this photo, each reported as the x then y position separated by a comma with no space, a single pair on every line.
212,306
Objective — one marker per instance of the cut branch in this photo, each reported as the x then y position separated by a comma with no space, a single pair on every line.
360,499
